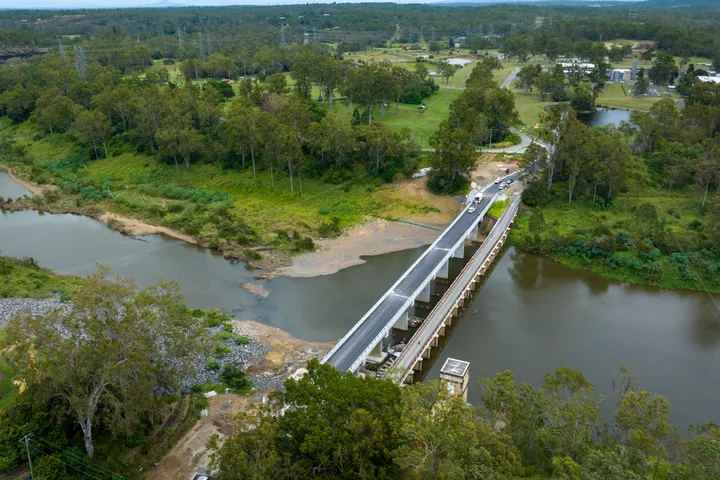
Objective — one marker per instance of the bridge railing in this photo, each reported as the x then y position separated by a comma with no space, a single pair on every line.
511,211
391,290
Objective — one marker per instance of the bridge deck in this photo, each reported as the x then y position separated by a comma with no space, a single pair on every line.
437,316
394,303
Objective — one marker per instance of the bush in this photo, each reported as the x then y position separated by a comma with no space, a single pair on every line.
215,317
223,335
227,327
242,340
212,364
330,229
235,378
222,351
251,254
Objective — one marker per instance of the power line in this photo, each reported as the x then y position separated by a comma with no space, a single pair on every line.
84,462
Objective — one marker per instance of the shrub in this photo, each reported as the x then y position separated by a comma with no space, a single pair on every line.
235,378
695,225
252,254
330,229
223,335
222,351
212,364
242,340
214,317
227,327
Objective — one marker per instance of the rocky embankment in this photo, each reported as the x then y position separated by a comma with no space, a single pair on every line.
10,307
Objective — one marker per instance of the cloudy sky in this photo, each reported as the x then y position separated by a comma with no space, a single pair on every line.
144,3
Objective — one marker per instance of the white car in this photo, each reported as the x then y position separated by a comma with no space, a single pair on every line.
501,187
471,210
497,180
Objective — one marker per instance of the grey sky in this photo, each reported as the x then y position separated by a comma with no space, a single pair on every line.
54,4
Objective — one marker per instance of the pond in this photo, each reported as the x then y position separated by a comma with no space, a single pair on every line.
605,116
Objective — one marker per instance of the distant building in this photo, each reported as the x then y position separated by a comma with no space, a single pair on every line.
708,79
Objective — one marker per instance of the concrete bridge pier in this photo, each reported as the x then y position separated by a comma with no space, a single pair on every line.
444,271
402,322
459,251
424,295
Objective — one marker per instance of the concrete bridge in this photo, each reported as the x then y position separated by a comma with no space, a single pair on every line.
365,340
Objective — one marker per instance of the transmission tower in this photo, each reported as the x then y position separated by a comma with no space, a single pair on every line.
209,44
61,48
632,14
480,31
467,33
282,35
179,35
80,61
432,34
200,42
314,37
513,28
410,35
422,36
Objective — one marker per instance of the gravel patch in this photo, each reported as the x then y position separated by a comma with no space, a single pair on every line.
240,356
35,307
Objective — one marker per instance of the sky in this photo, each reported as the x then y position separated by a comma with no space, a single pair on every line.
58,4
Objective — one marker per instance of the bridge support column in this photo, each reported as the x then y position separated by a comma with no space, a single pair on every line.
460,251
424,295
376,354
474,233
444,271
402,322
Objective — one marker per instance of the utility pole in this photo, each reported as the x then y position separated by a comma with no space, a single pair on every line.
490,146
26,439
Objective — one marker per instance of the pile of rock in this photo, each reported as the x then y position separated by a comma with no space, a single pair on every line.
239,356
35,307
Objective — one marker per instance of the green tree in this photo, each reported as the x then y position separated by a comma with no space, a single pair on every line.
664,70
454,154
276,83
434,426
55,112
527,76
91,127
641,85
446,70
537,222
107,354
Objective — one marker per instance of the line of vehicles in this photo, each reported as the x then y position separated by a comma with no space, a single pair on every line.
503,185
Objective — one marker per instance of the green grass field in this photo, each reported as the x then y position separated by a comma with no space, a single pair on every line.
263,207
615,97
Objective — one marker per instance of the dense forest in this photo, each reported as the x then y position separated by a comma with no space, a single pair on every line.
335,425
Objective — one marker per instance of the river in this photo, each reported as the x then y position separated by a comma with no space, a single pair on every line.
532,316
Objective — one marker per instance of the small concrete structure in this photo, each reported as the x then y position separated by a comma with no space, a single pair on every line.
456,375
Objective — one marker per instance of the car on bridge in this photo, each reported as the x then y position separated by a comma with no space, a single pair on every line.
471,210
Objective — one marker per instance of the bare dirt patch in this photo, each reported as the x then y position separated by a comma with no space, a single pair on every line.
191,452
285,354
132,227
408,200
255,289
374,237
491,167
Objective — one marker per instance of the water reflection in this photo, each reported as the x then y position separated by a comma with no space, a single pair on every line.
535,315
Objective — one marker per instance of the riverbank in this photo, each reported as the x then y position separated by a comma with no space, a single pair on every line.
374,237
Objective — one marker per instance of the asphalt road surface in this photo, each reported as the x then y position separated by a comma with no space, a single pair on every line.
354,344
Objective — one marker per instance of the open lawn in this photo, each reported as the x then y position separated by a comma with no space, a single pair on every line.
615,97
529,107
